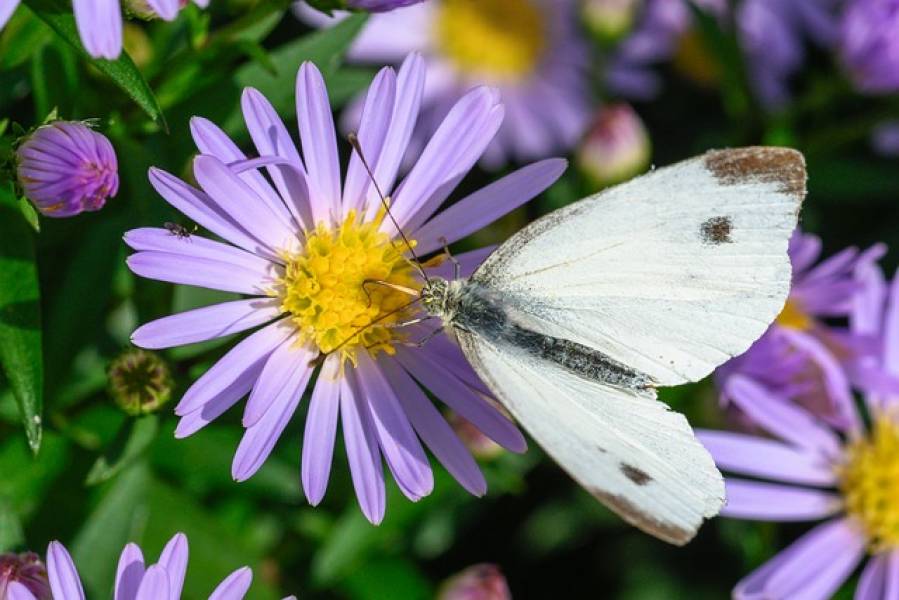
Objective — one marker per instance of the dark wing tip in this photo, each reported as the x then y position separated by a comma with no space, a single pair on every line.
663,530
768,164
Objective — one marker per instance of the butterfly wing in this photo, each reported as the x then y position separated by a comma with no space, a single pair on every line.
672,273
625,447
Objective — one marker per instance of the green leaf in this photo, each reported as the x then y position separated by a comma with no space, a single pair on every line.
27,479
11,534
325,48
131,445
121,71
20,316
30,214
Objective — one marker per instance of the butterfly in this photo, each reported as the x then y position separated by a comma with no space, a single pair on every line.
576,320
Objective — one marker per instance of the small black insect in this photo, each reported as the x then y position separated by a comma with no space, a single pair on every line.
179,230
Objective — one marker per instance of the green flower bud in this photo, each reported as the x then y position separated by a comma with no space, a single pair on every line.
140,382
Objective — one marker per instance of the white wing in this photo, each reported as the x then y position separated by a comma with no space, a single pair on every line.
626,448
672,273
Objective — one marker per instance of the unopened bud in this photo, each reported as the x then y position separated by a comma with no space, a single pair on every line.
478,582
610,20
616,148
140,382
25,569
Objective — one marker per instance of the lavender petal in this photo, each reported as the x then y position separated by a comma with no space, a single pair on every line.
760,501
64,580
362,450
320,431
235,586
129,573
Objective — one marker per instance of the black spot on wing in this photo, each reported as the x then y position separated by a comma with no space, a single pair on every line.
635,474
716,231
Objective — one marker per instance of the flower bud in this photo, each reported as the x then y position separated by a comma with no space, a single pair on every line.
478,582
616,148
610,20
140,382
474,439
154,9
27,570
65,168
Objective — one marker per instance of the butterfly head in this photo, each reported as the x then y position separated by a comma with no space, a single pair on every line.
436,297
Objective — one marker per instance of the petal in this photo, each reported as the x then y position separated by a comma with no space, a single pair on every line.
773,502
199,418
230,367
759,457
399,444
362,450
207,323
319,142
285,375
867,304
100,27
891,330
235,586
373,127
320,431
129,573
161,240
201,208
433,429
174,560
813,567
63,576
167,10
260,439
6,11
17,591
210,139
488,204
779,417
409,89
154,585
462,399
244,205
451,152
200,272
873,581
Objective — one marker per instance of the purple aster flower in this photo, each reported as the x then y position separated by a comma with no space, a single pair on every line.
26,571
66,168
134,578
803,357
308,252
845,475
869,44
772,34
531,50
99,22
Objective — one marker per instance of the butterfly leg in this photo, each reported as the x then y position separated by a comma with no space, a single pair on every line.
457,266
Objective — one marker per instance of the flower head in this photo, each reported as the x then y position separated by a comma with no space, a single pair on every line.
134,578
531,50
869,45
66,168
616,148
846,474
477,582
25,570
329,280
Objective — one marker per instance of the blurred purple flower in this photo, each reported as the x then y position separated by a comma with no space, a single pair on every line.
846,475
772,34
869,44
885,138
380,5
477,582
134,579
801,357
531,50
66,168
303,250
27,571
99,22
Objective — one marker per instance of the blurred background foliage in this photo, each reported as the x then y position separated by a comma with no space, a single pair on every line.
101,479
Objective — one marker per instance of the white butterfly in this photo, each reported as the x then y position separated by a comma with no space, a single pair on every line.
575,320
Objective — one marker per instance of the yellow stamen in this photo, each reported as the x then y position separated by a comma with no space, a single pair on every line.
869,481
504,39
793,316
325,291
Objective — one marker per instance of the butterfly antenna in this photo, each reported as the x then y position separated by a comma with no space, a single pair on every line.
354,142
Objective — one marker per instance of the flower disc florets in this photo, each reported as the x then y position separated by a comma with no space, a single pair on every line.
334,289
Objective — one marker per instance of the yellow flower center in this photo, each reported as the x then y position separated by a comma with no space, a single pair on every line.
332,293
869,481
503,39
793,316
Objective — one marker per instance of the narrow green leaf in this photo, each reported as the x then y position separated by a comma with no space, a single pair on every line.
20,317
133,443
30,214
122,71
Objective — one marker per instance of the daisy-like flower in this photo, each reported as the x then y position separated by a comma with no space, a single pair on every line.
329,279
99,22
802,356
531,50
66,168
846,476
134,578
